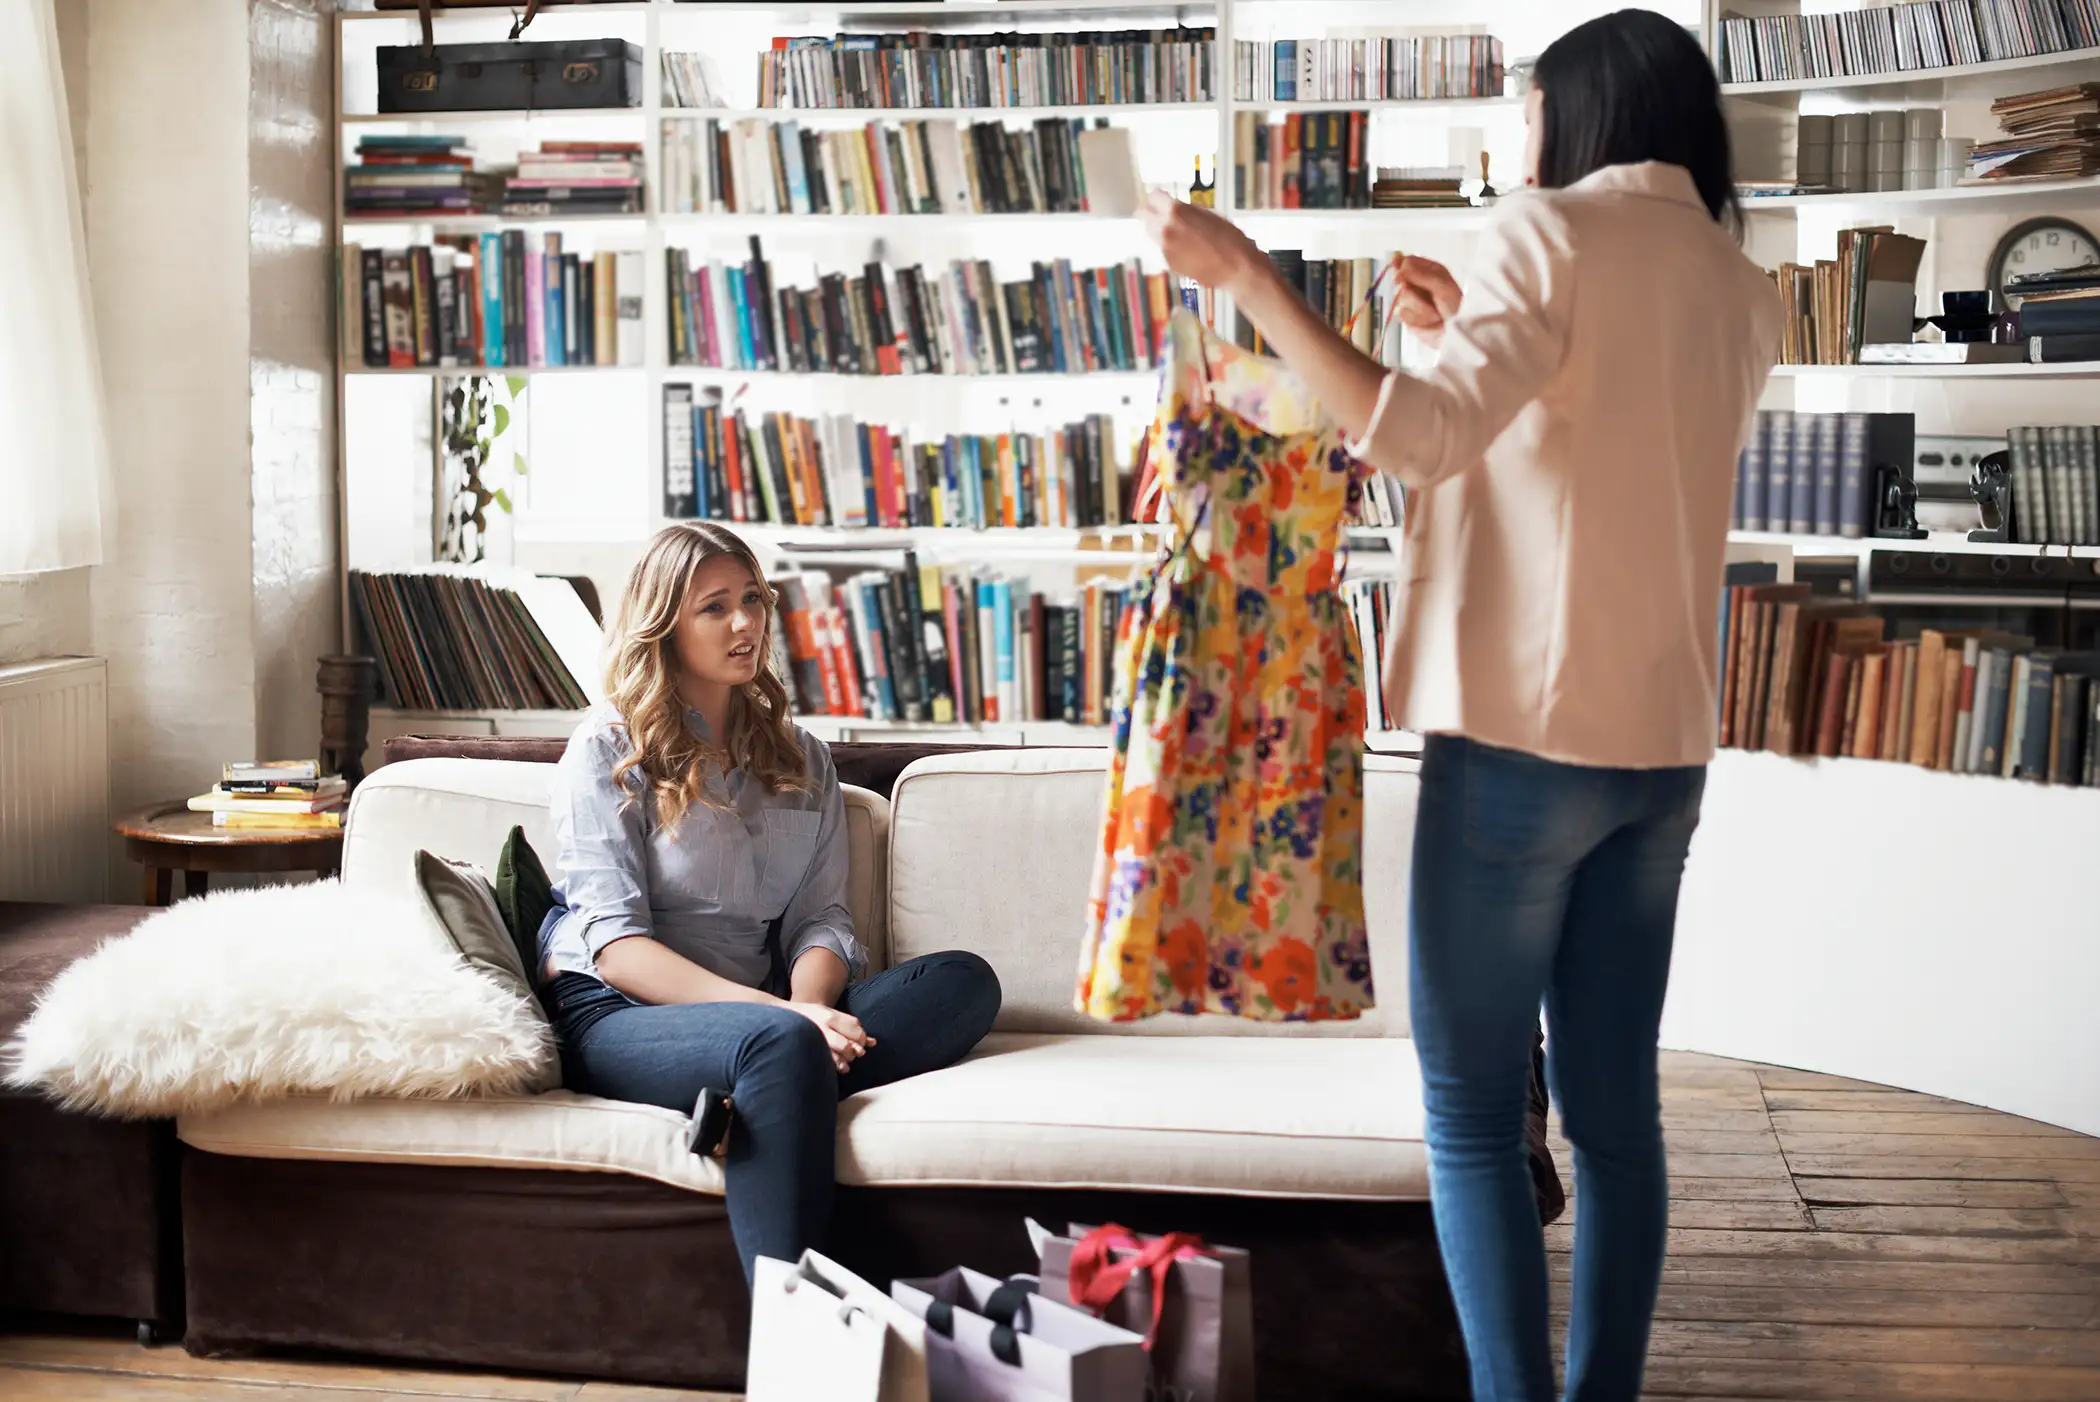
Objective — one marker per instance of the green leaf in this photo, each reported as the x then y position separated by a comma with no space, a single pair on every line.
502,421
516,384
502,499
517,465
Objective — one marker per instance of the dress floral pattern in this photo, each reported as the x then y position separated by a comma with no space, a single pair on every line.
1229,877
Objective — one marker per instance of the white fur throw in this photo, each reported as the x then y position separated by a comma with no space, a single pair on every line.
276,991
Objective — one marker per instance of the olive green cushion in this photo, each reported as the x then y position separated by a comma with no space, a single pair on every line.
524,895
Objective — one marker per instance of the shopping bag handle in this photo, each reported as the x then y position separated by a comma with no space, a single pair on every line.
1006,1337
1098,1276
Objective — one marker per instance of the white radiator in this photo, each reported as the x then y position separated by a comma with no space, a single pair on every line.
54,781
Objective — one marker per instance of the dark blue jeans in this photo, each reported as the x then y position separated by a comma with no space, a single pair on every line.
777,1067
1536,880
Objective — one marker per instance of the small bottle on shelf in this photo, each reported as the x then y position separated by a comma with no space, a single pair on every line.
1201,193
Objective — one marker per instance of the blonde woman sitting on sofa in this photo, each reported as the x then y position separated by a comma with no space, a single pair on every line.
701,937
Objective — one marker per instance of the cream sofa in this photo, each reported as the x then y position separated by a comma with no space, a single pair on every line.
413,1224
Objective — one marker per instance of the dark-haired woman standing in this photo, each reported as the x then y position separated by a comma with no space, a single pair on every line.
1572,457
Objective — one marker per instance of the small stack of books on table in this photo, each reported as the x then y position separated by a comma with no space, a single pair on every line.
274,794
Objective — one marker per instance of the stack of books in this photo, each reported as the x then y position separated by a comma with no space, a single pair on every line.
945,644
2049,135
911,321
400,176
274,794
753,166
691,80
832,470
508,298
927,69
1803,676
576,177
1419,187
1393,66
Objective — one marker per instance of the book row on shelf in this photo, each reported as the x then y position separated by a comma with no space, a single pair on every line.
1801,676
892,321
2055,473
1338,289
451,641
831,470
397,176
756,166
1902,38
927,69
500,299
1317,160
927,643
1392,66
1808,473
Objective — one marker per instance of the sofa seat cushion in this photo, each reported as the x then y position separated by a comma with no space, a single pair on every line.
561,1130
1320,1118
1308,1118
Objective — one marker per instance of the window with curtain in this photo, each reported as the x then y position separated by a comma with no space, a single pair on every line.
54,457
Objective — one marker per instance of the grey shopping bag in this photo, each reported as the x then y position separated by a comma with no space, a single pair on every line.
987,1342
1194,1303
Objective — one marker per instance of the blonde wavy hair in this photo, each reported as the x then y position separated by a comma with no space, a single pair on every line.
641,680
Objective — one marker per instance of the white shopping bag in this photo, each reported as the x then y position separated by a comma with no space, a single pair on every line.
819,1333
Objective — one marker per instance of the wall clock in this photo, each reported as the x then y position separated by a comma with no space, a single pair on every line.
2044,245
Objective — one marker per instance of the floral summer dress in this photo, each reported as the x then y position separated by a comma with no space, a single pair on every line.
1229,877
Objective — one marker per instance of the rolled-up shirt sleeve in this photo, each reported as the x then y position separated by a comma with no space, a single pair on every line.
817,916
1509,338
602,843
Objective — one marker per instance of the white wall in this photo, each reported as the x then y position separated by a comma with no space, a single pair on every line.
168,255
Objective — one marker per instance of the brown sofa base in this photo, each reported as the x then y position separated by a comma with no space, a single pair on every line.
619,1278
87,1204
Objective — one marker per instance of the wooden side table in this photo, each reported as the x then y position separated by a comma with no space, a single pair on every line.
167,837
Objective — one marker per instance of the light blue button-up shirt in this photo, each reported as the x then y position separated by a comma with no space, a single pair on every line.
708,889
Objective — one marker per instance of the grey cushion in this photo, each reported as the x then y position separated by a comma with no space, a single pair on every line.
464,902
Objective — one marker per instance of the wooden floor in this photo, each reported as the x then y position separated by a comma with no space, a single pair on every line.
1830,1242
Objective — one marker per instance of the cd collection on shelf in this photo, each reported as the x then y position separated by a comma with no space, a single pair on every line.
897,321
1901,38
1395,66
832,470
756,166
925,69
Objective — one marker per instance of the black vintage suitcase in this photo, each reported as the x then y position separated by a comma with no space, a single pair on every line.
499,77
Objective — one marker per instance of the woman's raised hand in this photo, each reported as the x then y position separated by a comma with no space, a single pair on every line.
1429,297
1199,243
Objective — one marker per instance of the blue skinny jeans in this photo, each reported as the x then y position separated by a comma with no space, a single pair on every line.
1535,880
776,1066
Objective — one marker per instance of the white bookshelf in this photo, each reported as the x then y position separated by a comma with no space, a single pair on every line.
1037,401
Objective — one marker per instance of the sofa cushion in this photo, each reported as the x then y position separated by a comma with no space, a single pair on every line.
1023,904
561,1129
465,808
1302,1118
1235,1117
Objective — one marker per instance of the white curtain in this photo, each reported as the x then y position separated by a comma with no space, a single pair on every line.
54,456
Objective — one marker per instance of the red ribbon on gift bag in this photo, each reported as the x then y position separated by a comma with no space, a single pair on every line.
1098,1276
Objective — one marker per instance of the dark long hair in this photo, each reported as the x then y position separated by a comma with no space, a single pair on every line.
1632,86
